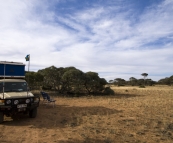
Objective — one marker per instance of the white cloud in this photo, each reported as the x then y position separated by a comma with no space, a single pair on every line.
100,39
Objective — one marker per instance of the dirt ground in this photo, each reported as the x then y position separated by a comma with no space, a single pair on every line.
133,115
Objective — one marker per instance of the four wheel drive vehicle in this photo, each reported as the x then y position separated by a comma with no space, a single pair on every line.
14,95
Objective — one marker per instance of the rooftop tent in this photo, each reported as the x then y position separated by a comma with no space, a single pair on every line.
12,69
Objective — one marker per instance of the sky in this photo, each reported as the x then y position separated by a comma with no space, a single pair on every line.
115,38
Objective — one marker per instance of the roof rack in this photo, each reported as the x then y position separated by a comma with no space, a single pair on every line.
7,62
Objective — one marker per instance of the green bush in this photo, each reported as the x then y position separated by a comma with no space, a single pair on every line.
46,87
108,91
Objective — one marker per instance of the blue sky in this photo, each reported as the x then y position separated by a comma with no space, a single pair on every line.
115,38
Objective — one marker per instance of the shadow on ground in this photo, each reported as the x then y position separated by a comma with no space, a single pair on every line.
60,116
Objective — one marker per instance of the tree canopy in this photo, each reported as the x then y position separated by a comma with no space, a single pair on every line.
67,80
70,80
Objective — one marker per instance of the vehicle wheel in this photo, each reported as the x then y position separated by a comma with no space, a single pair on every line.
1,117
33,113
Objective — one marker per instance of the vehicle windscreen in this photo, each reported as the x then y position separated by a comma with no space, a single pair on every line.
13,86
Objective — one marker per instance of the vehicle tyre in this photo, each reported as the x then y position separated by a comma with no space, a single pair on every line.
33,113
1,117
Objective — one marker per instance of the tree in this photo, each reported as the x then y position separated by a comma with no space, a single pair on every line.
34,79
67,80
120,81
93,83
150,82
132,81
171,80
111,81
72,80
52,77
140,81
144,75
166,80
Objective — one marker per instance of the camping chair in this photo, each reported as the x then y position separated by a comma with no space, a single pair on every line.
47,99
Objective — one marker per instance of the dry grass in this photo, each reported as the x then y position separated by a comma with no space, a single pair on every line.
134,115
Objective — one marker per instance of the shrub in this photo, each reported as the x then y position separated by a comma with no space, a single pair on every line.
108,91
46,87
